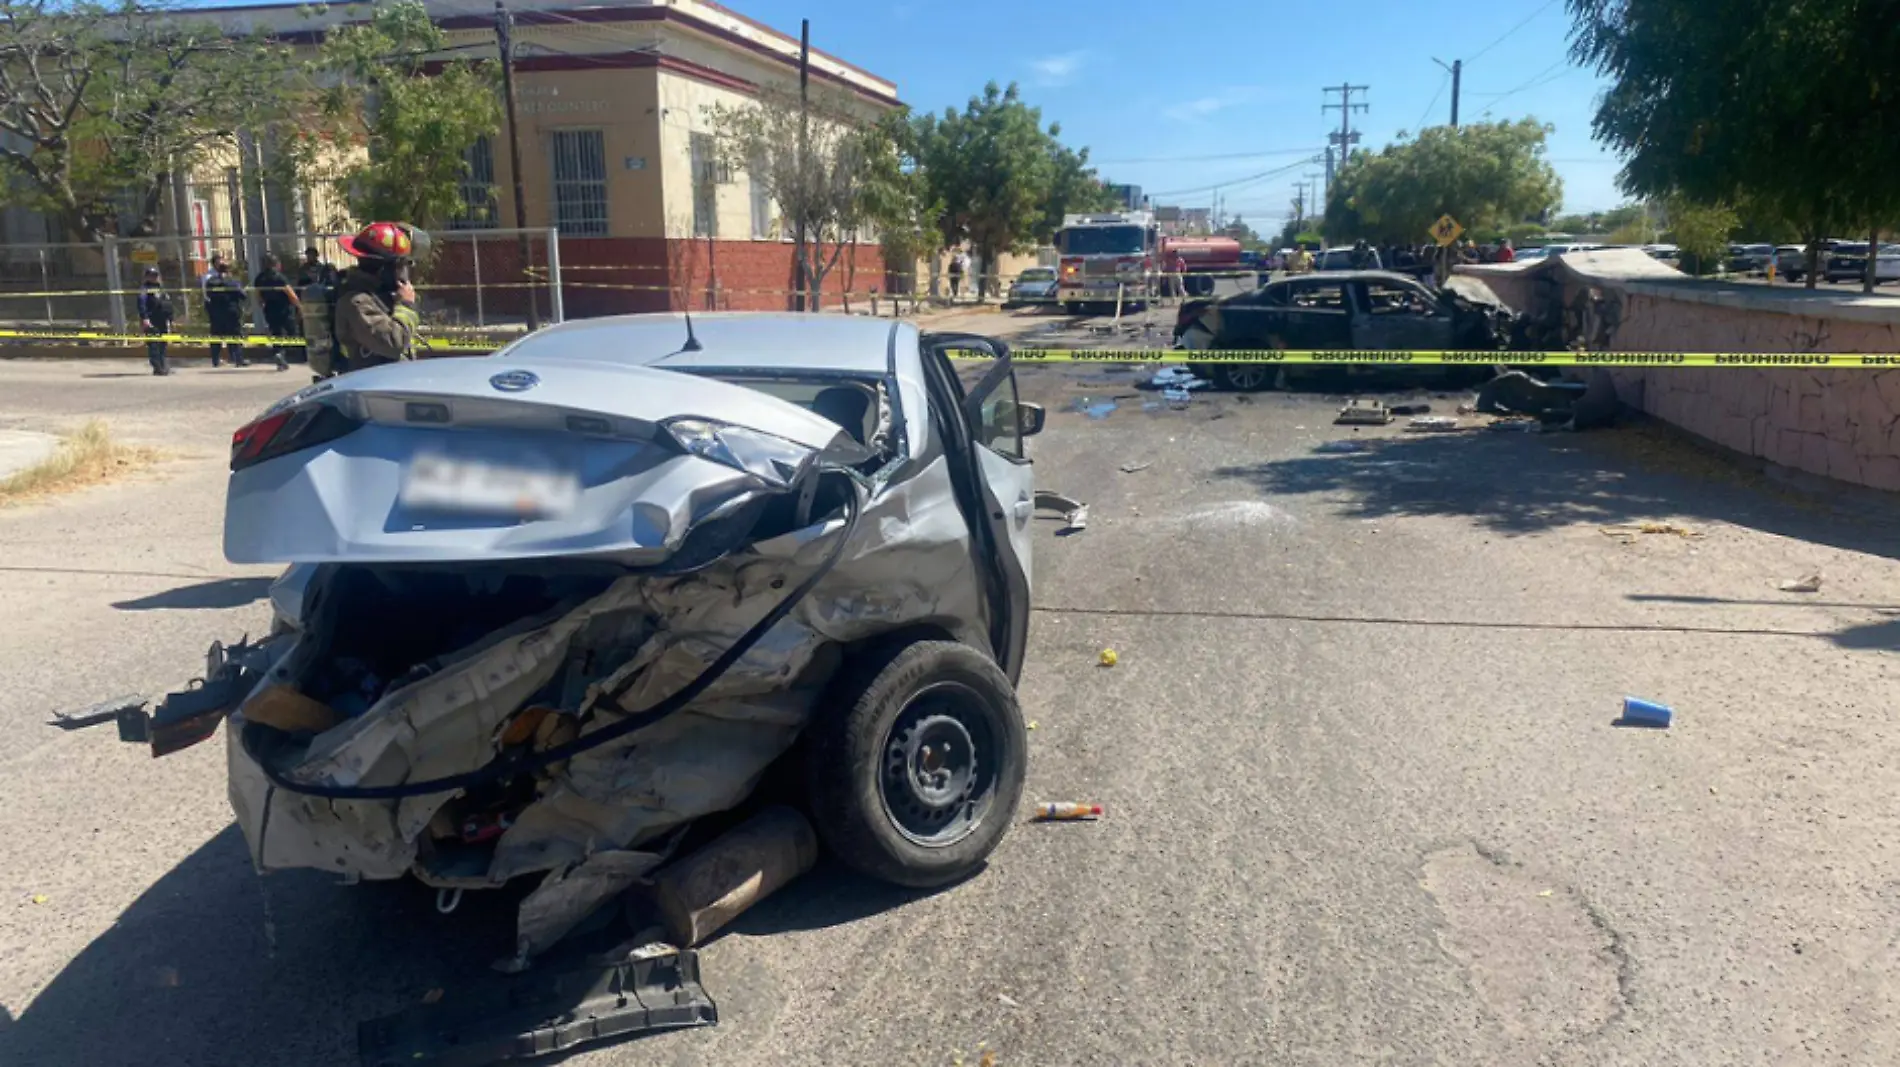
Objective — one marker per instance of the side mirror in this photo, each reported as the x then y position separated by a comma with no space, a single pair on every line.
1029,419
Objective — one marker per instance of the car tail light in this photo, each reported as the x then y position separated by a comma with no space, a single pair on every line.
289,430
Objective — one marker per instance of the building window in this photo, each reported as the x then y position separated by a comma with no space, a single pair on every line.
705,186
580,183
480,209
761,202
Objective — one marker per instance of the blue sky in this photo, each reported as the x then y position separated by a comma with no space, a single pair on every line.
1155,90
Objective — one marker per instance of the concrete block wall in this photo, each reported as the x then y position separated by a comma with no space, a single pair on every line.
1843,424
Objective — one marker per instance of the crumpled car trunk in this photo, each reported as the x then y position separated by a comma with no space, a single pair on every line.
442,652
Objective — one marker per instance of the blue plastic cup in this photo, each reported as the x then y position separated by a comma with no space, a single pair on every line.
1646,713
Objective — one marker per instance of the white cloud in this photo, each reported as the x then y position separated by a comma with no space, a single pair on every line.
1202,107
1059,69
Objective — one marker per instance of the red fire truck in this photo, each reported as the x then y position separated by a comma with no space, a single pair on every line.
1106,256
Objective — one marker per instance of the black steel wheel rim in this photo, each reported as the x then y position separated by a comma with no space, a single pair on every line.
939,770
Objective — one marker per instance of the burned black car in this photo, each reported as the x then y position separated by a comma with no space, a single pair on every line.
1343,311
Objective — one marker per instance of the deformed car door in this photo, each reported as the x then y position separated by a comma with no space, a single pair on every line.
984,430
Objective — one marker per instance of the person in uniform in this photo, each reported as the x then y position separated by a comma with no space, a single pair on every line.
376,317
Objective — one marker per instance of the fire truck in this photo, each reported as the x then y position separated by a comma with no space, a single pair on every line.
1105,256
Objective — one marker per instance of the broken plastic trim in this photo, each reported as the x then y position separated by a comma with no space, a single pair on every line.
637,721
772,460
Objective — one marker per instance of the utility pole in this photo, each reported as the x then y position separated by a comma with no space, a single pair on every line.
804,193
1345,138
1457,70
504,40
1299,205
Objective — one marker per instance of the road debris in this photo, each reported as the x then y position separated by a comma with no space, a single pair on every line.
1342,447
1401,410
1172,378
1432,424
38,898
1637,712
1094,409
1061,811
1132,468
1806,584
1363,413
1109,658
1628,532
1075,514
701,893
1007,1001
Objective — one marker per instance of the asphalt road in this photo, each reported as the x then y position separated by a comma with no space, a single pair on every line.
1364,800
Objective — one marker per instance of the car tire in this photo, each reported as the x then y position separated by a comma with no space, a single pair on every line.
884,800
1246,377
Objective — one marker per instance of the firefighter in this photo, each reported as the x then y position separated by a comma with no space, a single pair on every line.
376,317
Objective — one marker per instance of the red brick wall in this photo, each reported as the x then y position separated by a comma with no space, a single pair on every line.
618,275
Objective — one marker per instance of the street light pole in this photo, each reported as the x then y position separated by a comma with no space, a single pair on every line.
504,40
1457,71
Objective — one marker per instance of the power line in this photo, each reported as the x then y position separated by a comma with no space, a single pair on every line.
1237,182
1420,124
1202,159
1535,81
1507,33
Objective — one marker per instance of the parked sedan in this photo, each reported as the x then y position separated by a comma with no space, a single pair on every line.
1032,288
1849,264
1344,310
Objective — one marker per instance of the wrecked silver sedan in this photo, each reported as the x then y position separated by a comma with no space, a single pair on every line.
547,607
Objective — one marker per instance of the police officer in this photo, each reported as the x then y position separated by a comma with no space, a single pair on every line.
155,315
376,317
280,304
224,310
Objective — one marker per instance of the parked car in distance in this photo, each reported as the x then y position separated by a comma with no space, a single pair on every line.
1750,259
1531,253
1848,263
1032,288
1341,259
1790,262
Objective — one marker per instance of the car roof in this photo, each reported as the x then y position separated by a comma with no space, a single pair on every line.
766,341
1343,276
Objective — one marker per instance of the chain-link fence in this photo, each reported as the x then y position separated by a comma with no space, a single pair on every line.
494,280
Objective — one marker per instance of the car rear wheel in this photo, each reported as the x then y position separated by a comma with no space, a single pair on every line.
1245,377
915,763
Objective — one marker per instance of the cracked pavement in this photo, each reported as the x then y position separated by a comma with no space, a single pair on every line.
1364,801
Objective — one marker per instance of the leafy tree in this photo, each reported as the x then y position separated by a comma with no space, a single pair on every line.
992,167
1073,187
1486,175
897,202
812,160
103,100
1701,232
1790,108
417,124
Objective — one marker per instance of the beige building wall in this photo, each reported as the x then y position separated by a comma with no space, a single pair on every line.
623,105
686,109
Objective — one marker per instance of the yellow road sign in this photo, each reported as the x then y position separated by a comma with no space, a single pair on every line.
145,254
1446,230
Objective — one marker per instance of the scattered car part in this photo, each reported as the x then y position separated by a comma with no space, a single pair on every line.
538,1014
699,894
1363,413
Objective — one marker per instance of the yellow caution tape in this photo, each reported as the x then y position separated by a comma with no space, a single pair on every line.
1354,357
1441,358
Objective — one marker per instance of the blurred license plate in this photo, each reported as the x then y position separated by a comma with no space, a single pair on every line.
472,487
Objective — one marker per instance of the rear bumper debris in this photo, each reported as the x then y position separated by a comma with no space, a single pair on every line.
542,1012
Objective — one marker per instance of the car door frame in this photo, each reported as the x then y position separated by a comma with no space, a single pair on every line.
1362,318
956,413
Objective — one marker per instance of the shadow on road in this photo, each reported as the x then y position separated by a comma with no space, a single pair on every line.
1517,483
221,593
215,965
830,895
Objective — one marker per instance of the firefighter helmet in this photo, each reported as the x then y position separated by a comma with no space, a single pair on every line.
381,240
